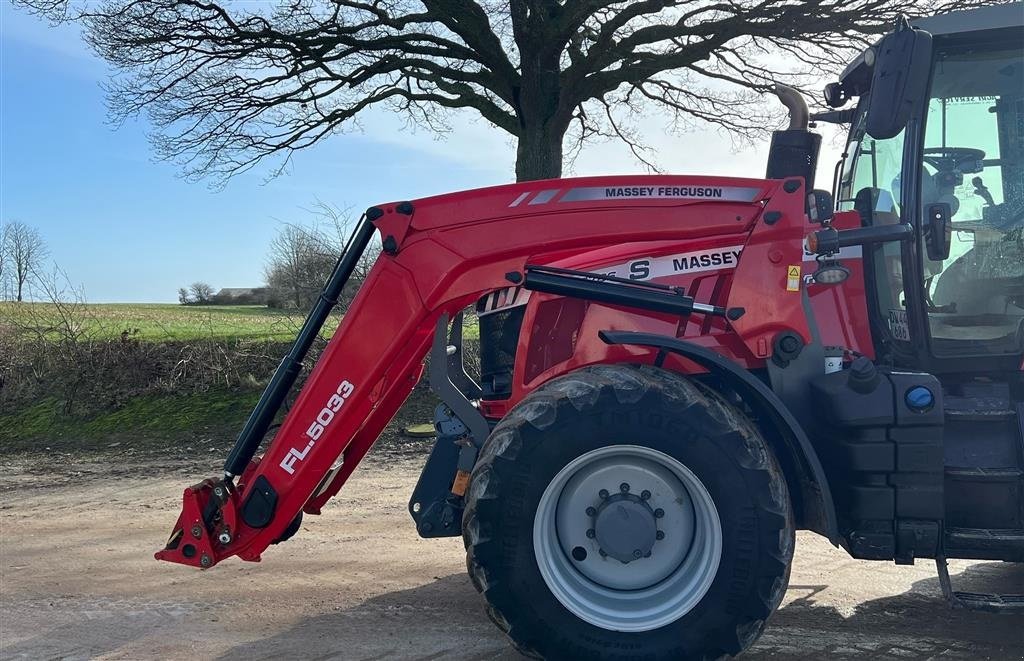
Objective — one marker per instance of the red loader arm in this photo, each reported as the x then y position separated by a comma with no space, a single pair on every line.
440,255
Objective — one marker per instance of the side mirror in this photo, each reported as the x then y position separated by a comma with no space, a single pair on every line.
876,207
938,232
899,81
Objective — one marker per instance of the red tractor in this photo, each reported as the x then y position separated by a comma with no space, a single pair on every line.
679,372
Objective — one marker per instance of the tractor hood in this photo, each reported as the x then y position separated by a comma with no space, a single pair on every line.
542,198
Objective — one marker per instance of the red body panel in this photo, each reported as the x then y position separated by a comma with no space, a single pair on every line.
455,248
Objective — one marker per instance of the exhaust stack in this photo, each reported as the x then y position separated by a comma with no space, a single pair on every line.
794,150
799,115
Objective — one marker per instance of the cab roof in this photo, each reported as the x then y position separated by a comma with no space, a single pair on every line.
973,20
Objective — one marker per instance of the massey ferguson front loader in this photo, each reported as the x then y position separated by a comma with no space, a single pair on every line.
678,372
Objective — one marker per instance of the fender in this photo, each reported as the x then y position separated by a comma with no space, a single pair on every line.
819,512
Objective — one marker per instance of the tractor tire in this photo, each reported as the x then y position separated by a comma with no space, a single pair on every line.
608,458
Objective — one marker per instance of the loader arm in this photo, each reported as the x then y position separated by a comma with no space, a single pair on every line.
440,255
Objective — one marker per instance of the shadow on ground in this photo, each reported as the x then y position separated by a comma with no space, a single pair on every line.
445,620
916,624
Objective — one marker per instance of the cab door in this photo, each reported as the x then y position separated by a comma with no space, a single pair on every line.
972,160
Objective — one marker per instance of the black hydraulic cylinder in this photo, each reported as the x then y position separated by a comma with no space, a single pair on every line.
284,377
604,289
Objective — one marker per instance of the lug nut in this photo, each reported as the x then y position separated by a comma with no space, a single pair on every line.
218,491
645,495
658,513
591,511
638,553
224,537
205,561
591,534
659,535
624,487
197,532
603,493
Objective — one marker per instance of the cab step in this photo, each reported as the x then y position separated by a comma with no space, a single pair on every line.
985,543
984,474
992,603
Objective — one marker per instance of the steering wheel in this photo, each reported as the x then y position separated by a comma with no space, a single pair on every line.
965,160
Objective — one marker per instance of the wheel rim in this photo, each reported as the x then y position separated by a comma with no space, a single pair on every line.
627,538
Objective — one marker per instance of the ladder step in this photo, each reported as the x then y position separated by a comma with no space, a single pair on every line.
979,415
984,474
993,603
985,543
972,536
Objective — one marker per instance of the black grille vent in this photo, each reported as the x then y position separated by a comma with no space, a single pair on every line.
499,336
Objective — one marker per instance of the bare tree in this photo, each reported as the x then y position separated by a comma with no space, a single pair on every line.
301,258
200,293
229,84
24,251
4,261
293,262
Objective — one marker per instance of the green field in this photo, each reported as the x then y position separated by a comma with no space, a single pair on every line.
161,322
152,322
96,391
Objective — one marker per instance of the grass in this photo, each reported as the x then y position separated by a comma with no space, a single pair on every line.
145,421
153,322
150,418
166,423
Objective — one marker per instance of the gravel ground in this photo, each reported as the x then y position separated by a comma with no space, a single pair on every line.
78,580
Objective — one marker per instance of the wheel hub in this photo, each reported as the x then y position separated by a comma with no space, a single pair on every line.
627,538
625,527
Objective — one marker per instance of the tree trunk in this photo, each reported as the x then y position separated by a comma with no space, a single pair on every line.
539,154
543,116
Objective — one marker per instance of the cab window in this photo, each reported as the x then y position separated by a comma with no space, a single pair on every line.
873,175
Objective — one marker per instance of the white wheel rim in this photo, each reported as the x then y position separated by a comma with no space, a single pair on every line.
613,588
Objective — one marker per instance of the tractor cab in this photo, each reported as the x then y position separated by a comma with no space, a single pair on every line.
934,168
937,143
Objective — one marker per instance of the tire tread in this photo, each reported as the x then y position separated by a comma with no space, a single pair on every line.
582,391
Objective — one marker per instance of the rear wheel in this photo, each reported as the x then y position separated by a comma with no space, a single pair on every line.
620,512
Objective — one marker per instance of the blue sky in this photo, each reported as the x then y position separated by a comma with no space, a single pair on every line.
127,228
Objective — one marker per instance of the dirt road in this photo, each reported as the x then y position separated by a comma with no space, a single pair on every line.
78,580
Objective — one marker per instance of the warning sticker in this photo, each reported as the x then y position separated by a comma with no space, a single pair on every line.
793,278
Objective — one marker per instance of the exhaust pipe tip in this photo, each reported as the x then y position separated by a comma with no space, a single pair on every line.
799,115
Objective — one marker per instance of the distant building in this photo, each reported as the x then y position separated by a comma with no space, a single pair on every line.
242,296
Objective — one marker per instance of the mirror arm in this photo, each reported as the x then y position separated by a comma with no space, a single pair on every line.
830,240
835,116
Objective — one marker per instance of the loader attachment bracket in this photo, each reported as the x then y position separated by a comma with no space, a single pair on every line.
203,525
